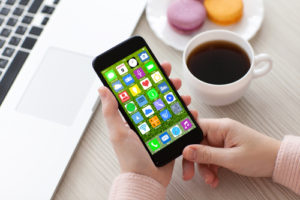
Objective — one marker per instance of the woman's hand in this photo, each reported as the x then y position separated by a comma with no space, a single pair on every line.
231,145
131,153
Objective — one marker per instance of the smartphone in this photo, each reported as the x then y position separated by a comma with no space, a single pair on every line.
148,100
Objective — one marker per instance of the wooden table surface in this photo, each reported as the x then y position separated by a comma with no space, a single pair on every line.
271,105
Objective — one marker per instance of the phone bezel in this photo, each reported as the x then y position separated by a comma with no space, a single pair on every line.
118,53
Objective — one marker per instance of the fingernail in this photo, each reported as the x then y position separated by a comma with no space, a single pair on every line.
191,154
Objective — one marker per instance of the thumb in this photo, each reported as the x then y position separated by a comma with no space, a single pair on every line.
203,154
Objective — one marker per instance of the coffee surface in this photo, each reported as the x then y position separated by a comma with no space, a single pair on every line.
218,62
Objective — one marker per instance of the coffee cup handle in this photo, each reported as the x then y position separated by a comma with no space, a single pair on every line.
262,65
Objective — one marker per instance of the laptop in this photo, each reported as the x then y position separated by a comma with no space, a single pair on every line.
48,90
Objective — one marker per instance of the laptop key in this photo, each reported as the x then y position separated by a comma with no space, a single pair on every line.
5,32
2,42
35,6
8,52
29,43
36,31
24,2
1,21
4,11
48,10
15,41
45,21
21,30
12,21
18,11
10,2
27,20
11,73
3,63
56,1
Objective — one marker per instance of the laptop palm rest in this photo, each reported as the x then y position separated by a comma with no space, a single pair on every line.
59,87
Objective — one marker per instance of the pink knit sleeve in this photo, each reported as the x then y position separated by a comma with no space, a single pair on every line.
287,166
136,187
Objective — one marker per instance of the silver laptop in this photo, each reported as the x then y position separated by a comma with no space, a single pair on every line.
48,90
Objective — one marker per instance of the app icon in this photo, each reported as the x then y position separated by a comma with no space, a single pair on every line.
169,97
110,75
152,94
122,69
130,107
159,104
141,100
154,144
154,121
156,77
165,138
135,90
132,62
186,124
150,66
137,117
128,79
144,128
176,131
143,56
139,73
176,108
163,87
148,111
124,96
165,115
146,83
117,86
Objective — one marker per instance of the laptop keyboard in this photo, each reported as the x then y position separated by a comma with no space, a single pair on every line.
21,24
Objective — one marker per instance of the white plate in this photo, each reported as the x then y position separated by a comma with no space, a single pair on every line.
247,27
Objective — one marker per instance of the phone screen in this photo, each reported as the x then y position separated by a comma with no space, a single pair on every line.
147,98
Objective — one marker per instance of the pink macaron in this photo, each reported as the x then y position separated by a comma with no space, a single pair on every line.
186,16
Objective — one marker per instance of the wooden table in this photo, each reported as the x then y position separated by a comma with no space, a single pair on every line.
271,105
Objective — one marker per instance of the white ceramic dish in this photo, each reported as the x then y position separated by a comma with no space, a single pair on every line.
247,27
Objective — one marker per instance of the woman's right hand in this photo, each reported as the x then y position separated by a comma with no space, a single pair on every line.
232,145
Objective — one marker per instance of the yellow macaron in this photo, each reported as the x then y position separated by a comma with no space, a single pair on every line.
224,12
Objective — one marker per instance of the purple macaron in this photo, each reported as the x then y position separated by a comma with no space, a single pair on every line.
186,16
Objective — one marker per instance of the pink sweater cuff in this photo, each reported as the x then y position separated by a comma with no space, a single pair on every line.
136,187
287,167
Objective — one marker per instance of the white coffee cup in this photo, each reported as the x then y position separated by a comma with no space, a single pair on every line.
219,95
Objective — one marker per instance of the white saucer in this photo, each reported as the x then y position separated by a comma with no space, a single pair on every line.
156,13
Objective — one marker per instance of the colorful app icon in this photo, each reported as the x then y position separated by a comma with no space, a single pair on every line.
156,77
152,94
176,108
165,138
186,124
135,90
137,117
170,97
146,83
122,69
144,128
159,104
154,121
124,96
128,79
163,87
144,56
139,73
110,75
154,144
150,66
176,131
130,107
132,62
148,111
165,115
141,100
117,86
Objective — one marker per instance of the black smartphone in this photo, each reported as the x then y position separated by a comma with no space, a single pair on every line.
147,99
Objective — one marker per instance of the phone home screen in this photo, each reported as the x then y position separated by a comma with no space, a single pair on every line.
149,101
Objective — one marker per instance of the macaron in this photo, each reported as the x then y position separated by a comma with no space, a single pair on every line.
186,16
224,12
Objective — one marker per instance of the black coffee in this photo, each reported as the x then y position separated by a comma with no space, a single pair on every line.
218,62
